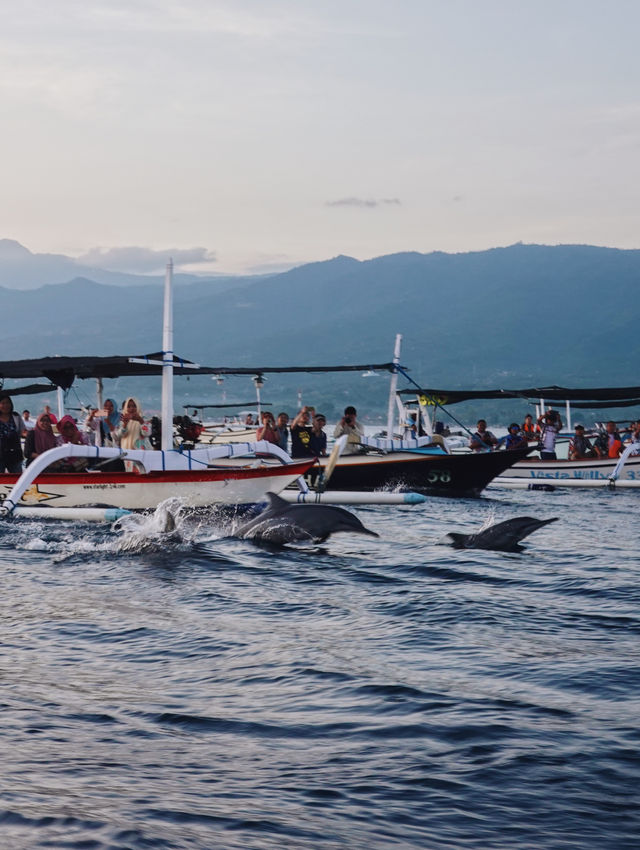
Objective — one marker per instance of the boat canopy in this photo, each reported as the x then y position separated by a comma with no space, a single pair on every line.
240,404
32,389
62,371
265,370
624,396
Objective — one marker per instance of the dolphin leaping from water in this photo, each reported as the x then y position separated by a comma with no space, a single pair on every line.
282,523
504,536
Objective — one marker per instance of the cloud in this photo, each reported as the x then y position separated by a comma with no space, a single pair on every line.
141,260
364,202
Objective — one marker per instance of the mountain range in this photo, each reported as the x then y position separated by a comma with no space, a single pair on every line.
524,315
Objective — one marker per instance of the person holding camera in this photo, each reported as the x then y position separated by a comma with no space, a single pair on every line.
350,426
267,431
301,433
550,424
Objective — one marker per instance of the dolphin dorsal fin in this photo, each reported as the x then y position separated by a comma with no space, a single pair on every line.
276,501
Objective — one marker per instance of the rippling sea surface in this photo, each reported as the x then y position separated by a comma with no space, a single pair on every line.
208,693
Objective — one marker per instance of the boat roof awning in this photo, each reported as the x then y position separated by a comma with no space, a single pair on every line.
610,395
32,389
265,370
238,405
62,371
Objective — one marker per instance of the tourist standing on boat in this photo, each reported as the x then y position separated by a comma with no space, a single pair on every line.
11,429
133,432
301,434
282,430
350,426
40,439
27,422
483,440
318,442
551,425
105,426
267,431
580,446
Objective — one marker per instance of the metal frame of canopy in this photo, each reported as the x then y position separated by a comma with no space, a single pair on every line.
583,398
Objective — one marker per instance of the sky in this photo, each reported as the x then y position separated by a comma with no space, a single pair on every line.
254,135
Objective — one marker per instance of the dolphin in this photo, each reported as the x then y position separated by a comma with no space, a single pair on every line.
504,536
282,523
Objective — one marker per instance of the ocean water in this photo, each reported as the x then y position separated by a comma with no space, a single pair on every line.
202,692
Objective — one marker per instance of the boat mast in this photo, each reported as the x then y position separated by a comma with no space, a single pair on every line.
393,386
167,361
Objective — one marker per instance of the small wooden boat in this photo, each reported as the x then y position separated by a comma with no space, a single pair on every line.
220,475
427,470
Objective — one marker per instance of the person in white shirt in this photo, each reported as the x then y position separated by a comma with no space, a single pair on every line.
27,421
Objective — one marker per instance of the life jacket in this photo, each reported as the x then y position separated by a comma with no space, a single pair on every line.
615,446
531,432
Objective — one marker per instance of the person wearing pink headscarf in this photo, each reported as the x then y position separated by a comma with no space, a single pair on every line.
69,434
40,439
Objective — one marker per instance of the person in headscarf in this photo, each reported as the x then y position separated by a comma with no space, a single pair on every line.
11,428
40,439
133,432
69,434
106,427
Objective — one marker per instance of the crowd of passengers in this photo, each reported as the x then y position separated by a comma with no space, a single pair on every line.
302,437
126,428
609,443
305,436
123,427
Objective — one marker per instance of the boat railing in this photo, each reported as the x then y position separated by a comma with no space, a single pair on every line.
387,445
146,460
632,449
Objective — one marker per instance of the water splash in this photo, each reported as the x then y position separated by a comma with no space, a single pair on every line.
144,532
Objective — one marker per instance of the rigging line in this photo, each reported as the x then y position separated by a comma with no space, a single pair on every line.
438,405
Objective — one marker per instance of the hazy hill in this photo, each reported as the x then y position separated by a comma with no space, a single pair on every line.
512,316
22,269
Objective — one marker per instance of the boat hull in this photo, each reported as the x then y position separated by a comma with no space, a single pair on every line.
131,491
573,473
431,474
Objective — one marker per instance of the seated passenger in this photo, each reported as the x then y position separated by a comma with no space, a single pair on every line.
634,436
40,439
515,439
580,446
267,431
608,444
482,440
530,431
318,441
69,434
282,430
105,426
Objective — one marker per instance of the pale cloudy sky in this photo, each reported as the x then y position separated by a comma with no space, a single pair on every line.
256,134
